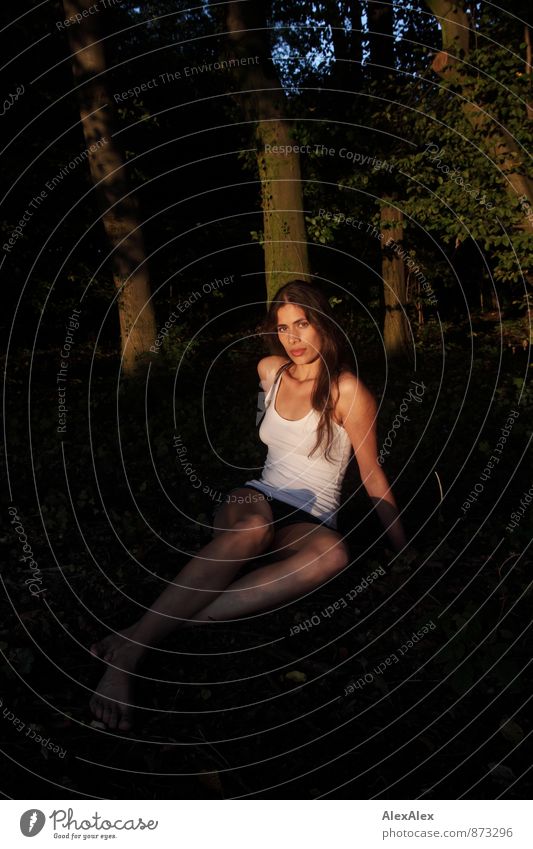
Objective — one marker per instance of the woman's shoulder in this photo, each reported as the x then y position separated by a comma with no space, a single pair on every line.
348,381
352,395
268,367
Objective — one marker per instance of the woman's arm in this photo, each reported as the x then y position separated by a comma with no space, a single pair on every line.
357,409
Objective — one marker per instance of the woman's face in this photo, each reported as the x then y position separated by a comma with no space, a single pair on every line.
300,339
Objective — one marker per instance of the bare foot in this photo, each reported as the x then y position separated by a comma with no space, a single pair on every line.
105,649
111,701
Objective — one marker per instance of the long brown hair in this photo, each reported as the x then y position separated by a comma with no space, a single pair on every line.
333,359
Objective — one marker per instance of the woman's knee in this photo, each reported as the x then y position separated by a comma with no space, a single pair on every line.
254,528
329,554
238,503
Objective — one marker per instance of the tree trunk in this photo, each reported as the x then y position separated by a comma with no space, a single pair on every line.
395,325
347,44
448,64
380,39
263,101
529,58
356,35
396,333
120,212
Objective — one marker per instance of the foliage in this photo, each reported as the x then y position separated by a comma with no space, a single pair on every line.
111,511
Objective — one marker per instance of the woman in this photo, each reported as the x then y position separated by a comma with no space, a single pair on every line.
317,411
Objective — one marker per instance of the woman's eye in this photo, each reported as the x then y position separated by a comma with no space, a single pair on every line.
301,324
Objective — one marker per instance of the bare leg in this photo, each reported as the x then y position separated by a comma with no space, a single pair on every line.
320,556
208,573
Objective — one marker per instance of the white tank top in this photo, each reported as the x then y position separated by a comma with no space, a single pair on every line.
310,483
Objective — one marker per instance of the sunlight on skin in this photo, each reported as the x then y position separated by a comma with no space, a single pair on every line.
214,568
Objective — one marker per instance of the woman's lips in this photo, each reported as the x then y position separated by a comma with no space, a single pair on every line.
298,352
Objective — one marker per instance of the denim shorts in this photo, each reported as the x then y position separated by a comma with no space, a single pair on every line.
284,514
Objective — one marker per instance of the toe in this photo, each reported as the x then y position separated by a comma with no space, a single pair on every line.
107,714
96,707
125,723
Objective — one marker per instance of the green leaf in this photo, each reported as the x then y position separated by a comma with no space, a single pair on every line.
296,676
